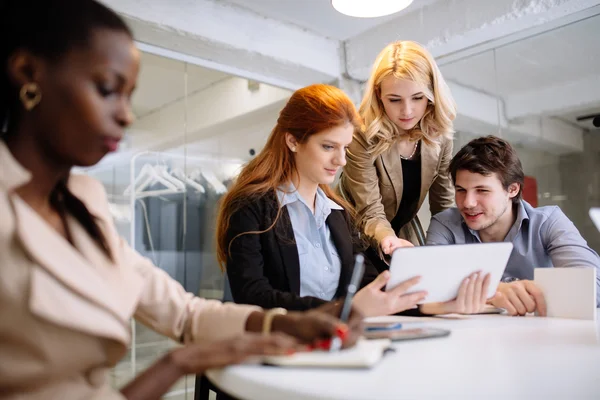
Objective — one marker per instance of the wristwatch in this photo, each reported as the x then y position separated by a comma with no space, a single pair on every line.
509,279
268,318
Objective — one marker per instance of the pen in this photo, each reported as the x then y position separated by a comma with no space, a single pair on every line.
357,274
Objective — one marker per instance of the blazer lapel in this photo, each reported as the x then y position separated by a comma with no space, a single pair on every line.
430,155
124,282
77,277
289,252
393,166
342,238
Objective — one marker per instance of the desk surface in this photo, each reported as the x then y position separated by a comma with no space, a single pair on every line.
486,356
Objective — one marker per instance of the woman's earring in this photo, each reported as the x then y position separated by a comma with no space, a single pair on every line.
31,95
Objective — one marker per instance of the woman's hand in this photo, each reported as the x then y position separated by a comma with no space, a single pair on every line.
471,299
372,301
390,243
316,327
197,358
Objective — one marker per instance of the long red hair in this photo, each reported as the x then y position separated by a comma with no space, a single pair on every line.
310,110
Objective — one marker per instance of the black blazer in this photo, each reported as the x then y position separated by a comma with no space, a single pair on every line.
264,268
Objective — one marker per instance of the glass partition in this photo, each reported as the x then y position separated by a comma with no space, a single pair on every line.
194,129
539,93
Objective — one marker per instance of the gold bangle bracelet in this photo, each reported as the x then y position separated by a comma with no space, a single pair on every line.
268,319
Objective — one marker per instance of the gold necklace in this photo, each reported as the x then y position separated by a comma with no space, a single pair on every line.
411,154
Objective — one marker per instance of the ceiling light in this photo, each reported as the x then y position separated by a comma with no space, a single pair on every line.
369,8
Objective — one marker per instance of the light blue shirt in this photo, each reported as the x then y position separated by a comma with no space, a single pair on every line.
542,238
320,264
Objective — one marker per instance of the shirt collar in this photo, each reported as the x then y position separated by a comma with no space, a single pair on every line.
521,216
12,174
326,201
516,227
323,204
288,194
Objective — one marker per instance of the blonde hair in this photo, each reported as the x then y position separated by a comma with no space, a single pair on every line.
411,61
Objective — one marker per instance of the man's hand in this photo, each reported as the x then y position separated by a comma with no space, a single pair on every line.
471,298
519,298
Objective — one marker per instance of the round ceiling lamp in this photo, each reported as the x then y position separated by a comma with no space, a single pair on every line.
369,8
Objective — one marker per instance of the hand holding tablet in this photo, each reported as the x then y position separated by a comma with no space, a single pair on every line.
443,269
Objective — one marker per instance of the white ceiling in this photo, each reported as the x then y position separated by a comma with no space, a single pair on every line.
162,81
548,59
319,16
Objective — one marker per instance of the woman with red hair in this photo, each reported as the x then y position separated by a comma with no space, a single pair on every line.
284,236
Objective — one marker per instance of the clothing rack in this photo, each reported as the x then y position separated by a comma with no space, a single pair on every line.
180,164
162,158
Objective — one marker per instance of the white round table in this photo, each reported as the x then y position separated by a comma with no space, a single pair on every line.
485,356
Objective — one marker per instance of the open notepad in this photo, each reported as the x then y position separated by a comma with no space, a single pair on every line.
364,354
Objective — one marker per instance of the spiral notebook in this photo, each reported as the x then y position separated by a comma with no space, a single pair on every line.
365,354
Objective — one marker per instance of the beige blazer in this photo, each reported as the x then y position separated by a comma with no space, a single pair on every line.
374,185
65,310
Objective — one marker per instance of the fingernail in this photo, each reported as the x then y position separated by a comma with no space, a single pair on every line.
290,352
323,344
341,331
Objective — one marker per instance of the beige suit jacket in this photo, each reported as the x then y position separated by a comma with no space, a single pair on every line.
65,310
374,185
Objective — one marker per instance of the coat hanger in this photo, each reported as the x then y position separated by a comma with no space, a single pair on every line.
179,174
212,179
149,176
163,171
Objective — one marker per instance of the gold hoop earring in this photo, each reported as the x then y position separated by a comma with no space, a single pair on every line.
31,95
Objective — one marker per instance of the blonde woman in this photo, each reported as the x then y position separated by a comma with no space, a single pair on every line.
403,151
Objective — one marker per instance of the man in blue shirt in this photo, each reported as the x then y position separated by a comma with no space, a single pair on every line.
488,178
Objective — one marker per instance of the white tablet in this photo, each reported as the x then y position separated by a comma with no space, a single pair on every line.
443,268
